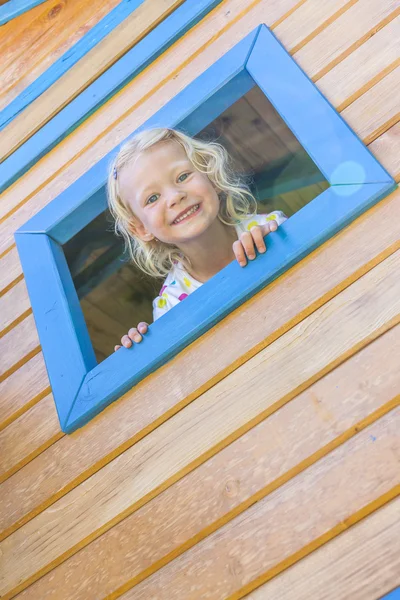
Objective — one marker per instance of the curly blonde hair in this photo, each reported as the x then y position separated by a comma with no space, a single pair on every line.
156,258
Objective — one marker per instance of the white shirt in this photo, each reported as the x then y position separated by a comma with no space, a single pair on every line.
179,284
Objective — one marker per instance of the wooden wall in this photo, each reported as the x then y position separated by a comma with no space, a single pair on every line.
264,460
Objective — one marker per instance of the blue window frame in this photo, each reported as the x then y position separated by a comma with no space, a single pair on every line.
81,387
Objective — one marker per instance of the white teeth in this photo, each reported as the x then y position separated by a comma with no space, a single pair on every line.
189,212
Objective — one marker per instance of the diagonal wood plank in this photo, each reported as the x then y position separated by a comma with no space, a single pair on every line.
97,61
300,433
292,363
363,563
328,270
295,519
30,46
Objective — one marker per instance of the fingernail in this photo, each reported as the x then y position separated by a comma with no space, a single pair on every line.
262,249
251,256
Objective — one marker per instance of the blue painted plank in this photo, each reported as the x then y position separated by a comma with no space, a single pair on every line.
74,208
67,60
67,349
105,86
14,8
297,237
334,147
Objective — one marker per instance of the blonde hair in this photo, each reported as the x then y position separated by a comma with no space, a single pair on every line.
156,258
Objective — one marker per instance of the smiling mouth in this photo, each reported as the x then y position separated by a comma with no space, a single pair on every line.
187,214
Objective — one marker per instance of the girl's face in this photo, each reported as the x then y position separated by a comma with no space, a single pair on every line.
161,186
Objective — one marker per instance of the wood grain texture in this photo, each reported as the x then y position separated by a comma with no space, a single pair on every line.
23,335
386,148
16,298
28,436
344,35
328,270
323,416
14,8
293,520
364,67
11,271
363,563
23,388
377,110
32,45
97,61
290,364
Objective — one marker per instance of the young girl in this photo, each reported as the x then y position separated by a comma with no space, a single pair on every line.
183,214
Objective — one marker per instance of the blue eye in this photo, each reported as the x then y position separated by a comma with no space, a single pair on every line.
149,200
185,175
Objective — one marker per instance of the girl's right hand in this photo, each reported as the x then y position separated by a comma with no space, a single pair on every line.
134,335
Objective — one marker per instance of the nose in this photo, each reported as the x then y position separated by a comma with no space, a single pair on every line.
174,196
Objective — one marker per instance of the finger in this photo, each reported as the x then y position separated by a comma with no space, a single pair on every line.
134,335
270,226
126,342
248,244
258,238
142,327
239,253
117,348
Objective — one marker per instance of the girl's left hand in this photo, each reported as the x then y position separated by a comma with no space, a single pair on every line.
248,239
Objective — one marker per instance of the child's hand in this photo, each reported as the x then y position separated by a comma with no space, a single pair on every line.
248,239
133,335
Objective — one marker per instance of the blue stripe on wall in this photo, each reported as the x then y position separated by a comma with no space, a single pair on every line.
14,8
68,60
105,86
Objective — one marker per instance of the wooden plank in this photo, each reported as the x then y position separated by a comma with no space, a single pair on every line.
90,67
363,68
308,20
316,421
328,270
14,8
377,110
16,298
30,46
23,335
10,272
386,148
28,436
97,24
22,389
295,519
345,35
290,364
180,65
362,563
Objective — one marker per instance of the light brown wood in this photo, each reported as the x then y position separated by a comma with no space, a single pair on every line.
121,39
363,68
28,436
23,335
47,32
287,301
345,35
14,306
377,110
289,365
11,271
363,563
23,388
386,148
308,20
298,517
301,432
